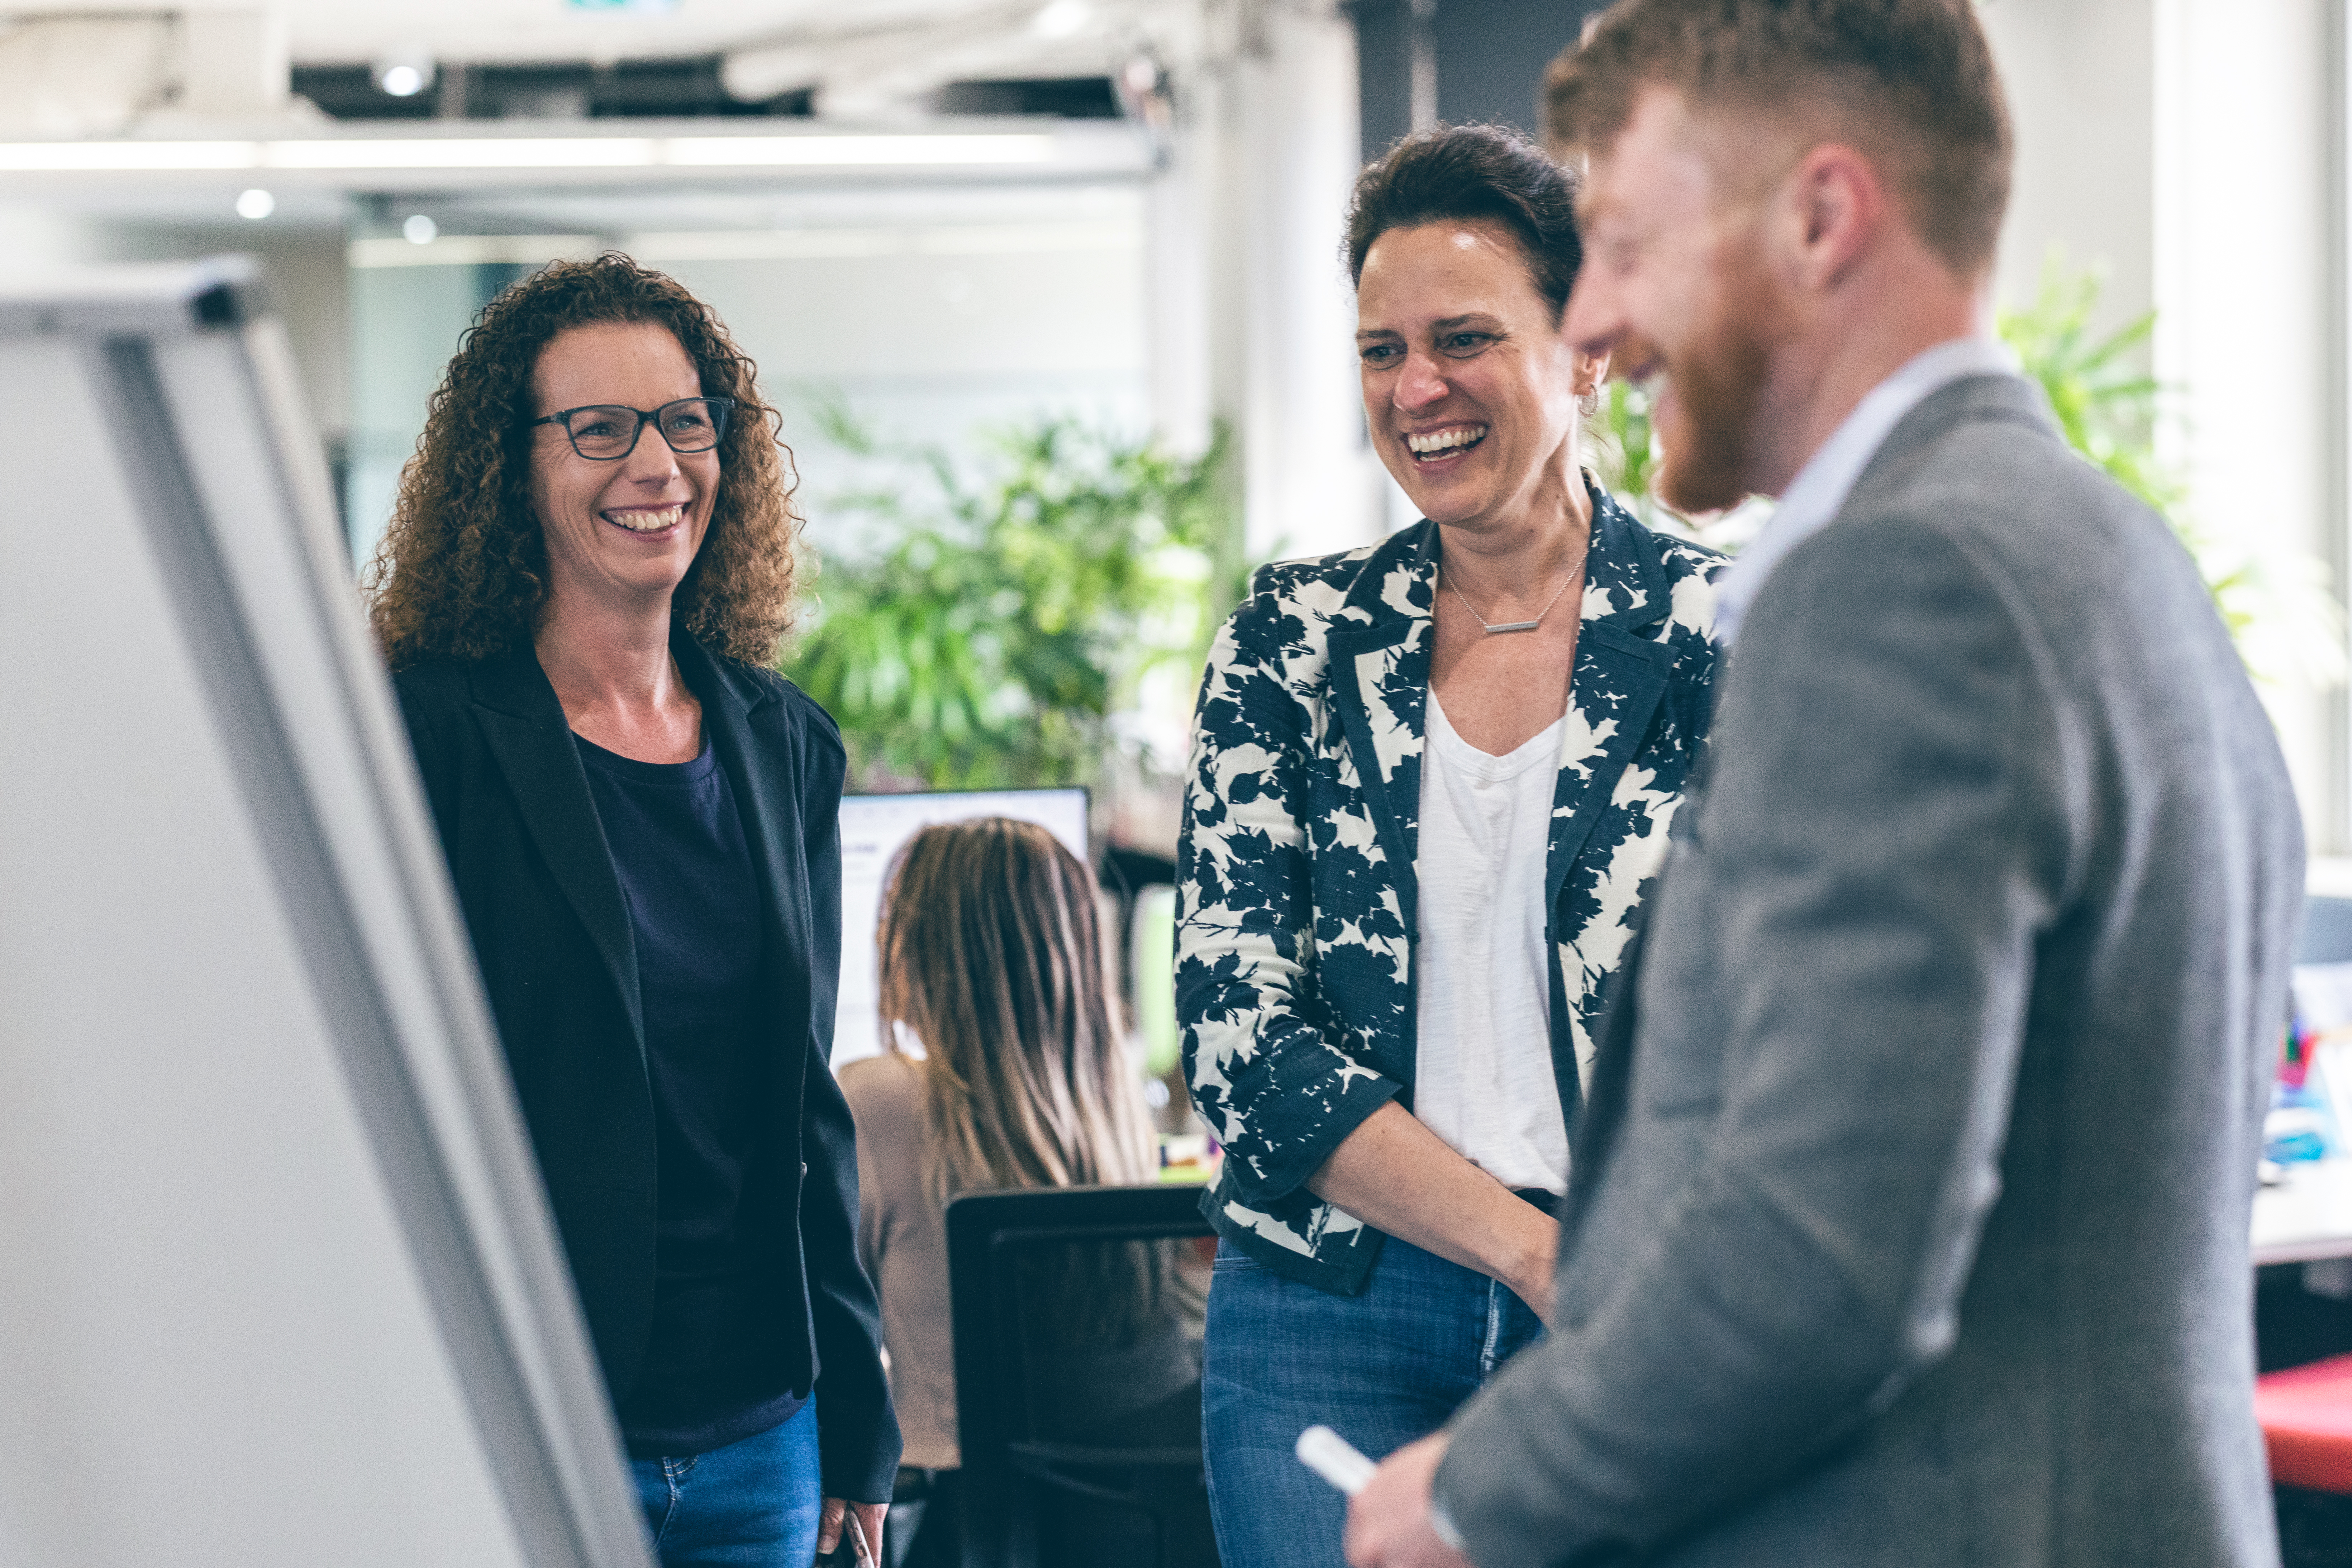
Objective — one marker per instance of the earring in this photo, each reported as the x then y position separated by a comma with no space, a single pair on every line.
1588,402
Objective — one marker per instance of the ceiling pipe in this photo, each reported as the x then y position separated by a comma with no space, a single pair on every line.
866,71
234,63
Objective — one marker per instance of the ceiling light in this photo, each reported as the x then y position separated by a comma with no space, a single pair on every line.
148,156
419,229
463,152
1061,19
256,204
708,150
359,153
403,75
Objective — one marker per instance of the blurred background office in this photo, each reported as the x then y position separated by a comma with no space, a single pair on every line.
1062,244
1050,292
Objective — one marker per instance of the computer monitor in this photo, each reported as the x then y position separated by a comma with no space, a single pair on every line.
2304,1212
874,828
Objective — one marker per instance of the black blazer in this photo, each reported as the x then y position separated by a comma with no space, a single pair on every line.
553,937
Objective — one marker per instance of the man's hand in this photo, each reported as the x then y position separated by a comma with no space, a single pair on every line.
870,1516
1388,1523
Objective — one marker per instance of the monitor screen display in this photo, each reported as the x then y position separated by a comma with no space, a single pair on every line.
873,828
2304,1211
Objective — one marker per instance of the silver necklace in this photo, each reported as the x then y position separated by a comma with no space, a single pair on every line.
1496,629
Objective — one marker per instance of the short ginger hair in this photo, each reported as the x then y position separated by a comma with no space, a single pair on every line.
1912,82
461,573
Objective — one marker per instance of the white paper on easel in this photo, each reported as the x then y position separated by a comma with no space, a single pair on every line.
280,1287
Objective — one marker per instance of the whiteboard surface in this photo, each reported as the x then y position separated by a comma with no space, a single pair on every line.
234,1327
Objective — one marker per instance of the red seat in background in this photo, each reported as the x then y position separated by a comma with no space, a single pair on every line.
2306,1417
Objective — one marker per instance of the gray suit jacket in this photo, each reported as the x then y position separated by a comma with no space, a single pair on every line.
1909,1219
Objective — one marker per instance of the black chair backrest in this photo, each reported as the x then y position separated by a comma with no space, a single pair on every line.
1077,1378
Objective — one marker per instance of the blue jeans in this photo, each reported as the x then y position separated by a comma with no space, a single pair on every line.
751,1504
1380,1369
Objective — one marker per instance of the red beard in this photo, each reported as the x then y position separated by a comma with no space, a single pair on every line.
1719,382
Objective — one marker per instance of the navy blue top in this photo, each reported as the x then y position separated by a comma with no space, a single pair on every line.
711,1370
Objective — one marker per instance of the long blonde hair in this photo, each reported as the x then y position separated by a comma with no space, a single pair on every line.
992,956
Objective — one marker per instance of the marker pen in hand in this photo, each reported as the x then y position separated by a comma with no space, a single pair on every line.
1335,1459
1338,1461
850,1550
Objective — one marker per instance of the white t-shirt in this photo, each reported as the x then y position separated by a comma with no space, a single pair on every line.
1484,1080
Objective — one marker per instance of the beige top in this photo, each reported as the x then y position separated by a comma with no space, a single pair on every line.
902,1239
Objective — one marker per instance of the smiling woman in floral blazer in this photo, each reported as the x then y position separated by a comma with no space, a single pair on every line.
1430,788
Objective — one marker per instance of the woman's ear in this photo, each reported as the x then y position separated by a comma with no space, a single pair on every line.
1592,370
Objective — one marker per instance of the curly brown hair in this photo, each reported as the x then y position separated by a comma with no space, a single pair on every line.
462,569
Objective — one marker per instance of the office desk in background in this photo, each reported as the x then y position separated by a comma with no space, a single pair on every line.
2308,1215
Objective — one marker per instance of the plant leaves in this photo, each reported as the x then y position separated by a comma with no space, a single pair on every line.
1016,601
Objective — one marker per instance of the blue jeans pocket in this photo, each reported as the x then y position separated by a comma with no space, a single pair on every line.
1231,1260
1382,1368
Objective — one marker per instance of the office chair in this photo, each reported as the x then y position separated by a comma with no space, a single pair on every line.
1077,1413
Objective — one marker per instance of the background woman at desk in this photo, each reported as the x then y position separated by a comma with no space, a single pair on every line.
1431,787
586,574
992,967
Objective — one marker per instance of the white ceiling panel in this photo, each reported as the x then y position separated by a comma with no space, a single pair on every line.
326,31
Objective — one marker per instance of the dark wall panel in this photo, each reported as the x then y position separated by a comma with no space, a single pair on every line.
1491,56
1385,39
1487,58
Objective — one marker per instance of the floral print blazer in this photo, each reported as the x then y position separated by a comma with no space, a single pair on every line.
1296,885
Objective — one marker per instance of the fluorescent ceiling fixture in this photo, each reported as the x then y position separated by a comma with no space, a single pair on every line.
464,152
86,156
732,151
525,153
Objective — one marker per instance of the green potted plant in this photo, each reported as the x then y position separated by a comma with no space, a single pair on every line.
1008,605
2276,603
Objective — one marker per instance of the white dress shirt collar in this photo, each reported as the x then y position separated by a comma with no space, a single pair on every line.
1818,493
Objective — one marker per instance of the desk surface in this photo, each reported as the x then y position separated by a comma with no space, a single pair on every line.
2308,1215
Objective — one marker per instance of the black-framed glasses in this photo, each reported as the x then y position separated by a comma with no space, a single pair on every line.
607,432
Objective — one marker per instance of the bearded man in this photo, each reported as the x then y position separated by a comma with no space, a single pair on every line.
1909,1221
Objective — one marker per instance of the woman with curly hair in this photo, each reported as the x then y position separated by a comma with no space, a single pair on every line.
640,818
